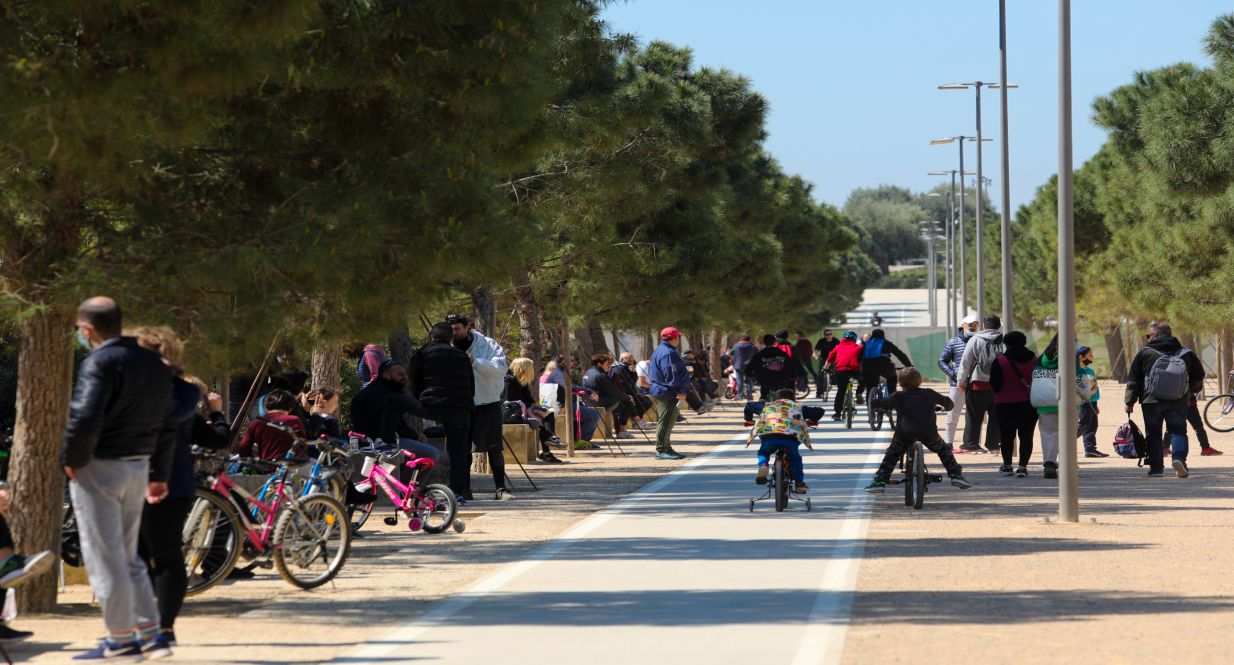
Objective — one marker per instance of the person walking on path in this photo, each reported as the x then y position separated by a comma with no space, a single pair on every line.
1086,427
119,445
1011,378
1197,424
949,362
741,354
772,368
1045,373
1163,378
488,363
826,344
973,380
803,349
669,380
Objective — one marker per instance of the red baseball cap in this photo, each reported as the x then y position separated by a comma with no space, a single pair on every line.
670,333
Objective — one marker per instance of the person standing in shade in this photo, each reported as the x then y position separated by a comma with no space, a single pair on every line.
488,362
973,380
119,446
442,379
803,349
949,362
669,381
1086,427
1163,377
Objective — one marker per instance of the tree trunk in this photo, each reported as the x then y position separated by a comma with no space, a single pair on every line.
616,343
556,349
566,367
598,343
1118,356
327,359
485,311
717,372
531,335
45,375
1225,349
582,337
400,345
697,342
649,345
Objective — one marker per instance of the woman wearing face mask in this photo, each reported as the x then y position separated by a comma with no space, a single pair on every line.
1087,427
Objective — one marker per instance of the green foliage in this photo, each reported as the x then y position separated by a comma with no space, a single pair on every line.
913,278
887,217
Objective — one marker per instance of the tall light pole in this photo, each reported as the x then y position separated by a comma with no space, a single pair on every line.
930,234
961,247
949,281
1005,265
1069,479
977,86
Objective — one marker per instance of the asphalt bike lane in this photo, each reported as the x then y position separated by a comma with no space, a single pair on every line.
679,571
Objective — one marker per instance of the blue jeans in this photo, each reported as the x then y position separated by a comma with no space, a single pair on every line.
1174,418
790,445
589,419
745,387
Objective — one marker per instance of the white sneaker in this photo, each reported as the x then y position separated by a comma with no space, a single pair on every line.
504,495
625,435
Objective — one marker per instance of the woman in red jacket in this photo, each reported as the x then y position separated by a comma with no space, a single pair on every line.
845,361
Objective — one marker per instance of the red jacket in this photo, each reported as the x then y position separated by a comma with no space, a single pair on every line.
846,357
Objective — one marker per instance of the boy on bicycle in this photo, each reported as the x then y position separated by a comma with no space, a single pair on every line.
782,425
915,408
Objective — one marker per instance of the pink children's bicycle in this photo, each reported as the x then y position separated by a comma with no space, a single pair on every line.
431,508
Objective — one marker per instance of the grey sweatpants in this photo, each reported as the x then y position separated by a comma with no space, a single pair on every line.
108,496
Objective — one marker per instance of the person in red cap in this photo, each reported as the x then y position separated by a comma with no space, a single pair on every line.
669,380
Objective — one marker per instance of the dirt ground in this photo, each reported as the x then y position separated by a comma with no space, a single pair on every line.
990,576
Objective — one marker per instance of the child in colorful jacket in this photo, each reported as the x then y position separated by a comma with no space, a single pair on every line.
782,425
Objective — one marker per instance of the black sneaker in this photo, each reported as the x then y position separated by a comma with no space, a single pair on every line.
1051,471
1156,473
9,636
960,482
1095,453
549,457
877,487
971,449
837,417
1021,472
1004,470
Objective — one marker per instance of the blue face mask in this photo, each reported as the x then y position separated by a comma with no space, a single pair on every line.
81,339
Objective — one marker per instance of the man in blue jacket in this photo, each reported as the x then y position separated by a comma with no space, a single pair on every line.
669,382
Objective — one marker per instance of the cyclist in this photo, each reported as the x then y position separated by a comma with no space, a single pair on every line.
781,424
915,408
845,361
772,367
876,361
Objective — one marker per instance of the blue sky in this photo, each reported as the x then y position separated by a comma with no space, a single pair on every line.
852,84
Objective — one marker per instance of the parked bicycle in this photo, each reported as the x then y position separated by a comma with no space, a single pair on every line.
1219,411
431,508
306,539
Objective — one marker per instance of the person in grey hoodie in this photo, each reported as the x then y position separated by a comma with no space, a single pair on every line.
973,380
741,354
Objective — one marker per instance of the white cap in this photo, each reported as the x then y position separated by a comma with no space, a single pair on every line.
971,318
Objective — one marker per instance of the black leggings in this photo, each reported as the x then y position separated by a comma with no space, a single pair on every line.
1017,417
162,547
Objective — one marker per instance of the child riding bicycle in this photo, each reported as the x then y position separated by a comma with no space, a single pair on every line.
915,408
781,425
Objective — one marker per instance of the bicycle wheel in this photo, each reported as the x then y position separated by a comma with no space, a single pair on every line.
311,541
919,475
1219,413
824,385
875,415
803,389
910,478
438,508
781,483
359,514
212,539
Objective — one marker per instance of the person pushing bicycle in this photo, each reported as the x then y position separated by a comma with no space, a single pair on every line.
781,424
915,409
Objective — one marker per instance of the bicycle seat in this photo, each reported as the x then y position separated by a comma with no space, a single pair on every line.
425,463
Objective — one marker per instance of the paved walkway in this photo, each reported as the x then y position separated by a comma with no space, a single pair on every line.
679,572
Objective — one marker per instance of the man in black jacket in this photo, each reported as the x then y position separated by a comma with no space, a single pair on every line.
379,409
118,450
1158,408
441,378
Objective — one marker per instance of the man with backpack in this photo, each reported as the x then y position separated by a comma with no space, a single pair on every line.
973,380
1163,377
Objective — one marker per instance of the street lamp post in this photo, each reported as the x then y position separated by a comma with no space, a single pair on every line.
977,86
949,281
1005,266
961,247
1068,482
930,234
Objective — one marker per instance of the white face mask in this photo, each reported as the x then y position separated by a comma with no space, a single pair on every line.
968,333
